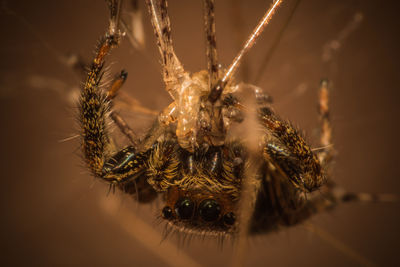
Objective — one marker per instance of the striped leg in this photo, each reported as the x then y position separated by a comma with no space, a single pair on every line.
211,42
172,68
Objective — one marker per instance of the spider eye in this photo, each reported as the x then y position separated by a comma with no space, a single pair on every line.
209,210
167,212
229,218
184,208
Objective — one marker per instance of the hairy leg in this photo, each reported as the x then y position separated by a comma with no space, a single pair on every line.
95,107
287,150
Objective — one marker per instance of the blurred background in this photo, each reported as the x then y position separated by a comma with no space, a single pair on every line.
55,212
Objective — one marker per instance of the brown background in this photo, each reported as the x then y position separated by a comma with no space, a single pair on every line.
53,211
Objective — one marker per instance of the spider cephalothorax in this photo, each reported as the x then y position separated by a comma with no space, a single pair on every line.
189,157
209,184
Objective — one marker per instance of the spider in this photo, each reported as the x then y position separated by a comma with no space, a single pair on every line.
211,180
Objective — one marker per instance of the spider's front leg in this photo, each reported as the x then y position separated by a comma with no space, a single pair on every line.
288,151
95,108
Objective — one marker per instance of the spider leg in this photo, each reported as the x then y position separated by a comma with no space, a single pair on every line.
238,22
124,127
329,197
230,72
117,83
211,42
130,102
94,109
172,68
77,63
325,155
287,149
328,200
339,195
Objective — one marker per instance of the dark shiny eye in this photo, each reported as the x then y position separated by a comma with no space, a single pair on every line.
184,208
209,210
167,213
229,218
